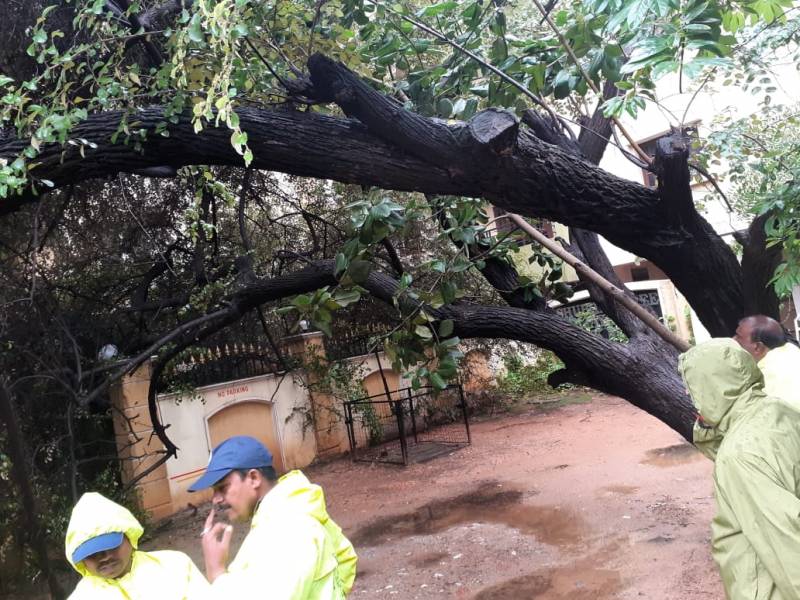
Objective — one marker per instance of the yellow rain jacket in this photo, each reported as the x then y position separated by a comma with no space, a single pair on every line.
294,550
166,574
756,439
781,369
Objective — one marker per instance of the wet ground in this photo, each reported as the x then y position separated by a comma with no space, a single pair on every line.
589,500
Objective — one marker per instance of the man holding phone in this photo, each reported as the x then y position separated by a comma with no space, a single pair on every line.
294,550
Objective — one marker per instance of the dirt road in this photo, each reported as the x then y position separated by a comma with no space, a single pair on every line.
591,500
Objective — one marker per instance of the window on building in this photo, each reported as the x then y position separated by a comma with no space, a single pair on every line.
639,274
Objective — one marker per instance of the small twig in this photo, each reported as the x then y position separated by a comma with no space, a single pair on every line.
697,91
764,147
282,81
320,4
241,212
713,182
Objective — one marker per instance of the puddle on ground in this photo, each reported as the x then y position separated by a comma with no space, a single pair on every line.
489,503
624,490
671,456
661,539
529,586
429,559
584,579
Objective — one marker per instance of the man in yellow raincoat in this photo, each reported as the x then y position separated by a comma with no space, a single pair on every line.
293,551
756,440
102,545
778,359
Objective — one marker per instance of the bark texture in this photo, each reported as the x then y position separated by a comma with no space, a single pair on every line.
534,171
390,147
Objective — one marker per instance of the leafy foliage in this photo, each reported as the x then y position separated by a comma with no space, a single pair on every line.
128,260
521,379
761,156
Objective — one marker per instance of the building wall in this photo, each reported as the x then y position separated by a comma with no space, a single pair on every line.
278,410
188,419
704,108
136,445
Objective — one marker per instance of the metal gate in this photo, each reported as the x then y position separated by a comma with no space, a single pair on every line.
407,425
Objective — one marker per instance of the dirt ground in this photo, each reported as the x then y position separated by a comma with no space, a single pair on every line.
589,500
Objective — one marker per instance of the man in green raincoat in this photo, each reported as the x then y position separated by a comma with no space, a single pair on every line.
756,441
102,545
293,551
778,359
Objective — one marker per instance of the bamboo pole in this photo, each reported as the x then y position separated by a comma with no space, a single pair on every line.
616,293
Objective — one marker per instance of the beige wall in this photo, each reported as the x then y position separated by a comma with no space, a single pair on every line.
296,425
136,445
282,404
189,429
476,372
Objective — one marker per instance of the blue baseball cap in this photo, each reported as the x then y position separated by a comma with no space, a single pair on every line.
237,452
100,543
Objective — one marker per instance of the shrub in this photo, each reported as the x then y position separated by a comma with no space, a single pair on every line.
522,379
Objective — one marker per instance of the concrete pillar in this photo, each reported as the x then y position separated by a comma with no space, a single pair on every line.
330,431
133,431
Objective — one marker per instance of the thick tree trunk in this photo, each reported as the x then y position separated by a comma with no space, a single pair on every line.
489,157
530,177
23,479
640,373
759,262
647,380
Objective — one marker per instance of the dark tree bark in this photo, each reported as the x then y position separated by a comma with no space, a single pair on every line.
536,179
675,252
758,266
23,479
491,157
649,382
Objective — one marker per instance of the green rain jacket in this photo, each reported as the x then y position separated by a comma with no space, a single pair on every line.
781,369
756,440
166,574
293,551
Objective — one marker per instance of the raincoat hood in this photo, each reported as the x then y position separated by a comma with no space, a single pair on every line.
95,515
724,383
304,496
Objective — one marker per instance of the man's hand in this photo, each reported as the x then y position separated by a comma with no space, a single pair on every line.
216,540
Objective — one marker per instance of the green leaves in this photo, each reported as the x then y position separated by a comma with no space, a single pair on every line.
446,328
320,306
437,9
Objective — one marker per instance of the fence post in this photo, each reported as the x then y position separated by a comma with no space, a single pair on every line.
398,410
351,434
464,411
413,415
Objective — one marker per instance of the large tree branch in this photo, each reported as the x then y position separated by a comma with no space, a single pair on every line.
759,262
585,244
596,361
487,141
481,159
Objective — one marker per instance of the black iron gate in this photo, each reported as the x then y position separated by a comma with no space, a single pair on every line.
407,425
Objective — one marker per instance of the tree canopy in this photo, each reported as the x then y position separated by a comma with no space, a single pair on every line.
170,169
